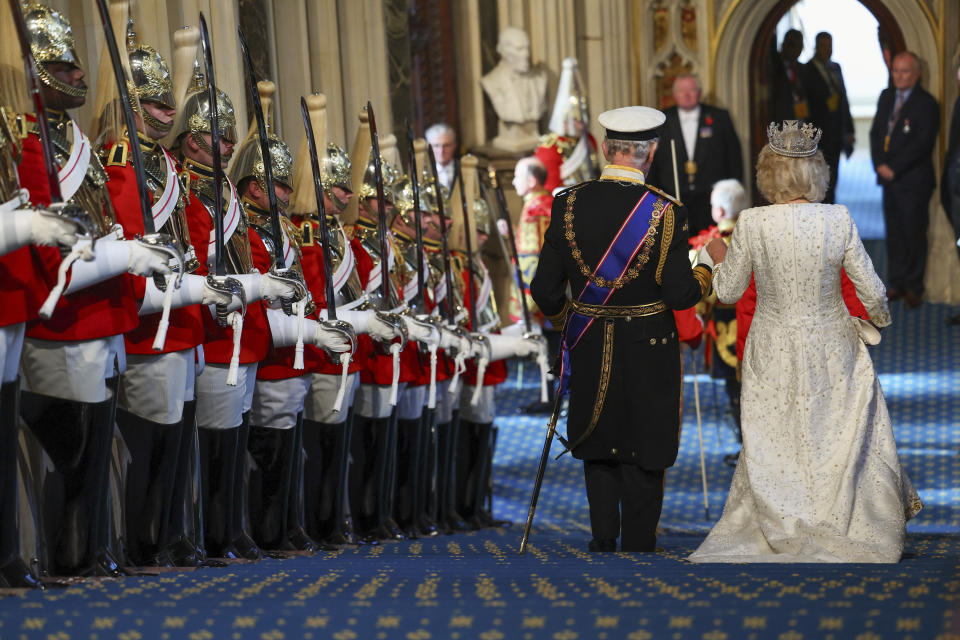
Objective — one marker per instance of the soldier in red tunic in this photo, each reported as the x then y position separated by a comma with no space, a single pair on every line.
156,401
225,386
276,432
72,361
22,289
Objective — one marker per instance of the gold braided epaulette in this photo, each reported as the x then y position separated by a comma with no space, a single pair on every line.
118,154
662,194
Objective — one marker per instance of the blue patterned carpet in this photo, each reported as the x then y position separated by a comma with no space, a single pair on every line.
475,585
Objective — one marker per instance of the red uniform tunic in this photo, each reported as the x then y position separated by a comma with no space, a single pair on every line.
553,150
534,220
496,372
104,309
186,323
218,343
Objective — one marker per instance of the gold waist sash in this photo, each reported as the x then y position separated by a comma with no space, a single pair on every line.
609,311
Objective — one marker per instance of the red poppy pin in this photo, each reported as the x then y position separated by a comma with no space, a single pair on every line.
708,121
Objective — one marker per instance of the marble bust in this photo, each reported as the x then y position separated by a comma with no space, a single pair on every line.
517,91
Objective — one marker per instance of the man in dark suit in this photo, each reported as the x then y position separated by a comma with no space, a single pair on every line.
708,150
624,404
902,138
788,94
829,107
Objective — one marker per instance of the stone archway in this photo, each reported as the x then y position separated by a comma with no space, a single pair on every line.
746,21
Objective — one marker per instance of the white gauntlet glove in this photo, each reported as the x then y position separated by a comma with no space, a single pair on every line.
274,289
193,290
329,339
144,261
502,347
422,331
21,227
519,329
368,322
113,257
449,340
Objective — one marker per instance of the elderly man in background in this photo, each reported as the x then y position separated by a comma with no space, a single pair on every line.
443,139
902,137
708,150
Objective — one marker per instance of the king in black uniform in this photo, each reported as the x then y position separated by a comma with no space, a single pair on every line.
621,350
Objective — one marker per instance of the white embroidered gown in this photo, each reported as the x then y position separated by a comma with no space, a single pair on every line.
819,478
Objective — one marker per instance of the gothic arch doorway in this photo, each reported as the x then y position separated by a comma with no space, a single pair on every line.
890,41
903,24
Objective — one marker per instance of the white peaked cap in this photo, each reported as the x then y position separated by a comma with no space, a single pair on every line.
632,123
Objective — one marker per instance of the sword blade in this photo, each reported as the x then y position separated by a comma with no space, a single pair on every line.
471,284
120,75
219,263
264,153
382,213
415,184
321,209
39,107
444,248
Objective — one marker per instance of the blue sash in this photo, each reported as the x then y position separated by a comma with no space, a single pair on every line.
614,264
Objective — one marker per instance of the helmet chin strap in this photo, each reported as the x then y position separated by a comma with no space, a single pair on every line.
59,85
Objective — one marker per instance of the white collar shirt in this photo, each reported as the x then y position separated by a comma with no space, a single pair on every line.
689,121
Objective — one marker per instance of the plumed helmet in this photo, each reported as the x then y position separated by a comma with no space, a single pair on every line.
481,215
335,169
249,162
51,40
390,177
152,81
428,196
195,116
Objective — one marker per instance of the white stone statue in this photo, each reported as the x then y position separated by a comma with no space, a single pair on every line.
518,92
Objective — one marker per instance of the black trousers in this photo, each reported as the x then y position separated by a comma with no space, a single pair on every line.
625,503
906,213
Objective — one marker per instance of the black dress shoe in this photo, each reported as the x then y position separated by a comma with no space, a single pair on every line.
17,575
953,321
912,299
731,459
603,545
894,294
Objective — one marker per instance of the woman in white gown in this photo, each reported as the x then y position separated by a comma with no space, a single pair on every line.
819,478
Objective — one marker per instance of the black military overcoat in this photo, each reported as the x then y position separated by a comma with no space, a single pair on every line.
639,419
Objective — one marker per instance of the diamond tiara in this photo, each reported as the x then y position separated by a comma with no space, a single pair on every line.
794,139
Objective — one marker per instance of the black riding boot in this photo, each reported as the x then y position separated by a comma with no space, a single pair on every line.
389,491
297,537
182,541
473,454
78,438
242,541
407,506
153,448
427,475
273,451
14,572
368,449
218,460
447,516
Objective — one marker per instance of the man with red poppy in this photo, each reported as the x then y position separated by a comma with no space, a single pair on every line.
708,150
